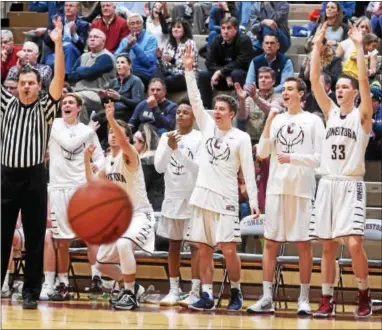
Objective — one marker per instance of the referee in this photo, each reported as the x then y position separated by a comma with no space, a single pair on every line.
25,130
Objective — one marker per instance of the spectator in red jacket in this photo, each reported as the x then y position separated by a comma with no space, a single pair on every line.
8,53
114,26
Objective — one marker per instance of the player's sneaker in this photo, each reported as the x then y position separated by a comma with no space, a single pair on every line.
61,293
95,289
303,308
364,308
205,303
326,307
47,291
190,299
262,306
128,301
171,299
6,291
117,294
236,300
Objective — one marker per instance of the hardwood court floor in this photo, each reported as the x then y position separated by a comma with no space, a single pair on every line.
81,314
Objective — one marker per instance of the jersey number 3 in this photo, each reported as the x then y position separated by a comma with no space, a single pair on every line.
338,151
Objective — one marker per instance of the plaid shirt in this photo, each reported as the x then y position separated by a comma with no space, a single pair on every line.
45,73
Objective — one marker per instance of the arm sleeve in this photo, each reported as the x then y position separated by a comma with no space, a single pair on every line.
98,157
213,24
103,64
51,107
255,20
190,164
248,169
81,37
212,54
121,48
5,98
146,56
244,57
279,12
137,94
162,155
311,160
72,143
168,120
203,119
287,72
251,74
266,146
73,76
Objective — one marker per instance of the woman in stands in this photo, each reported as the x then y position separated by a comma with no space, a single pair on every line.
156,23
171,68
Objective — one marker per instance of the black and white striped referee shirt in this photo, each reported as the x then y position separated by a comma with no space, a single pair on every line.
25,129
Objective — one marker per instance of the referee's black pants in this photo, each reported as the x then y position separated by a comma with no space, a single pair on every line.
24,189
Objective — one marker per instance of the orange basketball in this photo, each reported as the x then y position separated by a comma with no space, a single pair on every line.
99,212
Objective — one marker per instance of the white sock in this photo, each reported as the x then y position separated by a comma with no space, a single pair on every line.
174,284
95,271
195,285
129,286
304,291
6,279
235,285
208,288
63,278
327,289
49,278
268,289
362,284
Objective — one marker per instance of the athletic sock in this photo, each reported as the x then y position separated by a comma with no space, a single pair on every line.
362,284
208,288
304,291
129,286
49,278
327,289
268,289
63,278
235,285
95,271
195,285
174,284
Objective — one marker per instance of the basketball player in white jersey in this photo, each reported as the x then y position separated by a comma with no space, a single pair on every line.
176,157
340,205
67,172
124,168
293,139
215,216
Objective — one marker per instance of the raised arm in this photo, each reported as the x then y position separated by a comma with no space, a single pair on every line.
201,116
129,152
366,107
57,84
318,89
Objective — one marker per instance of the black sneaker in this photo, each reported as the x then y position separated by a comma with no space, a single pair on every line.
29,302
236,300
95,289
118,294
61,293
128,301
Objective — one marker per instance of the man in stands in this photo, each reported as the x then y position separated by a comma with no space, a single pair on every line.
113,26
92,72
227,61
281,64
74,38
29,54
141,47
8,52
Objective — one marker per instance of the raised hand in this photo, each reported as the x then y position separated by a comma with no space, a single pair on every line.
88,151
188,58
355,35
94,125
240,92
251,90
109,109
56,34
173,139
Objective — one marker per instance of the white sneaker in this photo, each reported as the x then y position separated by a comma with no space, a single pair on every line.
6,291
192,298
171,299
303,307
262,306
47,291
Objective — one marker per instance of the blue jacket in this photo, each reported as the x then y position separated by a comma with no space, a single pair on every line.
163,116
82,33
52,7
216,15
142,53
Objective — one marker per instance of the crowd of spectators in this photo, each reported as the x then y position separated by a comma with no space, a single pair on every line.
130,53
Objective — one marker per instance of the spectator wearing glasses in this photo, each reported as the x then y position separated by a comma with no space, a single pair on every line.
113,26
141,47
8,52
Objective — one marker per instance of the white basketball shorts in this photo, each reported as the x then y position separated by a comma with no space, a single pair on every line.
173,229
59,200
287,218
212,228
140,231
339,209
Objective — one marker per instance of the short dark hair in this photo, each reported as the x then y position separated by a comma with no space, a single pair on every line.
301,86
126,56
187,35
68,87
327,78
353,81
272,34
11,79
232,104
267,69
185,101
27,68
75,96
231,20
154,80
370,38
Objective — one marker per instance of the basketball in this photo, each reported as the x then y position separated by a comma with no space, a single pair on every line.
99,212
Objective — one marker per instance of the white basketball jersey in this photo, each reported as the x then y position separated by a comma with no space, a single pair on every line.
344,146
133,182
